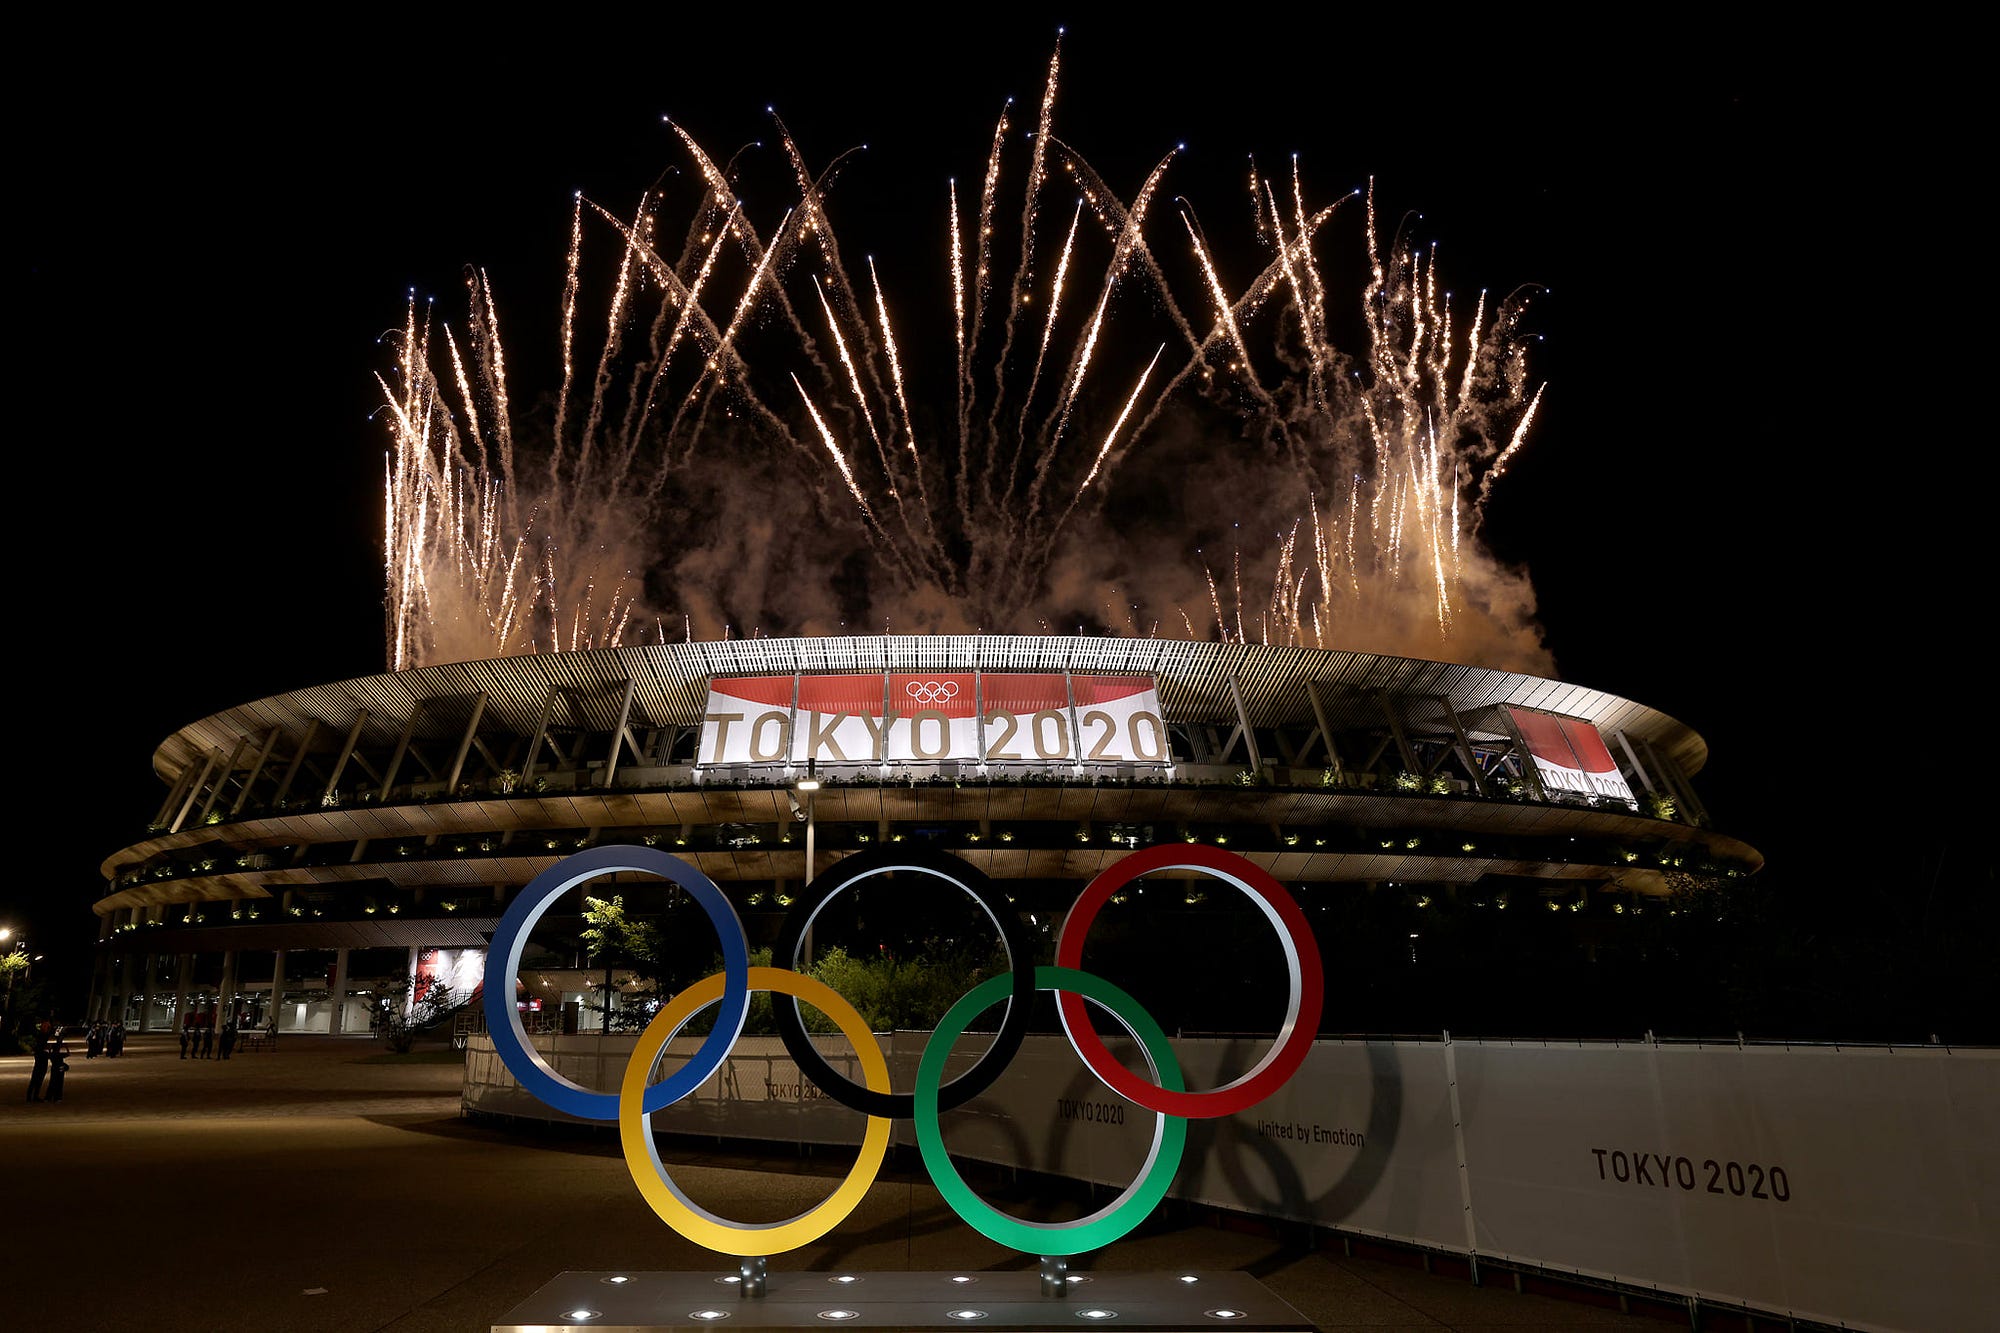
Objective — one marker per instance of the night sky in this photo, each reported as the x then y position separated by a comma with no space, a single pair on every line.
213,249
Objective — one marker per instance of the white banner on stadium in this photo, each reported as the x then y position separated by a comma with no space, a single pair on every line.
902,717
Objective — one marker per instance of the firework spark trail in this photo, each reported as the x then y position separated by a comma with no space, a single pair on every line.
1301,298
981,279
1315,305
738,226
853,376
685,302
638,407
833,449
1024,271
1417,429
430,525
1129,243
1227,313
568,338
846,302
1103,452
1472,355
903,406
1258,291
1323,554
861,402
1111,436
1500,464
958,332
713,339
614,333
814,223
718,361
1048,330
847,474
689,318
470,401
491,358
1223,309
1236,564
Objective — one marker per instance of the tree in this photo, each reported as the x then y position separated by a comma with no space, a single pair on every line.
403,1018
613,939
13,969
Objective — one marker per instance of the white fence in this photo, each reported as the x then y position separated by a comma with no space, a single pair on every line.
1856,1186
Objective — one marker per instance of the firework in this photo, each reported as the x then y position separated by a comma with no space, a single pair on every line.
711,374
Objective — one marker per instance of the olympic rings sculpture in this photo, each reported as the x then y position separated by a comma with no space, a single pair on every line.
1163,1092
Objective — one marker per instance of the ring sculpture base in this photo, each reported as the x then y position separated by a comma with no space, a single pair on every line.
932,1302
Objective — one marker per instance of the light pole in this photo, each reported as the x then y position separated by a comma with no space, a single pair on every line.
7,999
807,786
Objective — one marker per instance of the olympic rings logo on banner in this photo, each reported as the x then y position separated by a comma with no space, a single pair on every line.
932,691
1162,1092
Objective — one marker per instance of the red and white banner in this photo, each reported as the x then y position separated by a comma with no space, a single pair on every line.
1570,755
903,717
462,971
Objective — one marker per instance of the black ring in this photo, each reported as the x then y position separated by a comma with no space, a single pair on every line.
1020,956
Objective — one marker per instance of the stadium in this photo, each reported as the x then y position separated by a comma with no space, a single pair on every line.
314,849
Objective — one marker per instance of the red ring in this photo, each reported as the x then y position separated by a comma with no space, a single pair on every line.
1301,1025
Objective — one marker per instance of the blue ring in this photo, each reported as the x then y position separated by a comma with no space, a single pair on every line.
503,1020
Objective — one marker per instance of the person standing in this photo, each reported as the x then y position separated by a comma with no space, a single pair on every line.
187,1032
58,1066
93,1043
208,1037
117,1038
228,1037
41,1061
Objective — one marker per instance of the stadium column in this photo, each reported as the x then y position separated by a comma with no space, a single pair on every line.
110,998
256,771
396,760
152,984
1243,721
127,974
465,744
277,988
222,779
621,735
174,797
1325,732
193,792
335,1023
183,964
225,1000
139,983
100,984
292,769
346,753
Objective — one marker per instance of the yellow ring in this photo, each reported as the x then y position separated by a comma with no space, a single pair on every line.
681,1213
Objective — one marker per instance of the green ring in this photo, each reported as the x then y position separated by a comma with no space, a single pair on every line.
1116,1218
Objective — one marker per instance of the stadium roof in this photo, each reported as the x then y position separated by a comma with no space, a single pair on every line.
669,687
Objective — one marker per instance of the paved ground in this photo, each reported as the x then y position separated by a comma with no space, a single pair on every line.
323,1186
